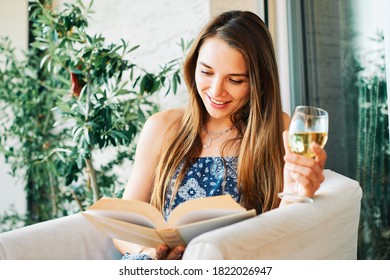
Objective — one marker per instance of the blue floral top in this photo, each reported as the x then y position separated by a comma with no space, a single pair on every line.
208,176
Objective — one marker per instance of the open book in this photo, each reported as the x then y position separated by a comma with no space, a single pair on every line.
140,222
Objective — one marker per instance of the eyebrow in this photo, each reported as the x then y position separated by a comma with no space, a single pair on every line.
233,74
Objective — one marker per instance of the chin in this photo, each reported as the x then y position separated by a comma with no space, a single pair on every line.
218,114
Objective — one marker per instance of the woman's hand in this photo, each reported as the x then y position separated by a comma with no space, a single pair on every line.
306,171
164,253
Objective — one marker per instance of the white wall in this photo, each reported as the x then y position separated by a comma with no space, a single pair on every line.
14,24
157,26
219,6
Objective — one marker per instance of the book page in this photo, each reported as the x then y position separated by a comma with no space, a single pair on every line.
134,221
125,231
128,217
206,208
132,211
171,237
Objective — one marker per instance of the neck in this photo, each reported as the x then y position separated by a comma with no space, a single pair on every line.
216,125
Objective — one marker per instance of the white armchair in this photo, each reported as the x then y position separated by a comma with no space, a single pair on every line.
326,229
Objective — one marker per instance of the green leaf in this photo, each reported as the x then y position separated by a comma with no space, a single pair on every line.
40,45
87,139
44,59
133,48
76,133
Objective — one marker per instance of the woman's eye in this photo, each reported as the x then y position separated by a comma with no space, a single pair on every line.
237,82
205,72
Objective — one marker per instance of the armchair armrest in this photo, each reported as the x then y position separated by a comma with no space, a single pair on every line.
71,237
325,229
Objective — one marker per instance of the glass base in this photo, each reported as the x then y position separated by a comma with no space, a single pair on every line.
292,197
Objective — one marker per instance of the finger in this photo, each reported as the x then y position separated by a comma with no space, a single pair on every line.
308,185
305,176
285,142
300,160
320,153
303,182
176,253
162,252
304,161
304,166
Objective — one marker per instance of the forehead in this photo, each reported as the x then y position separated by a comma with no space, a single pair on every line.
217,54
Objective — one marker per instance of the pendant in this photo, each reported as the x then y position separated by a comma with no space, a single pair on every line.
207,144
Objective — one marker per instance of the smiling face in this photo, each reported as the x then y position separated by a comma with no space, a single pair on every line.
221,78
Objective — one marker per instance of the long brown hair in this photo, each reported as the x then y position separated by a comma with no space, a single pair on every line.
260,158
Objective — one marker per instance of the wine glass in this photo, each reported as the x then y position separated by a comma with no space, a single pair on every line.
308,124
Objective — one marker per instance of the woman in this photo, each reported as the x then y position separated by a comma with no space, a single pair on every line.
230,138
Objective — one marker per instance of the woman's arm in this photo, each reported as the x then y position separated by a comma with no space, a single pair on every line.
141,181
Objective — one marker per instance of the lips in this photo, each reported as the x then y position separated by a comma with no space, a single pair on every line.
217,102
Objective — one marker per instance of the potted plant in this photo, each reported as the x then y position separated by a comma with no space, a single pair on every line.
73,95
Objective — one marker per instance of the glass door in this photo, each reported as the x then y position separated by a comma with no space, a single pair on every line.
337,62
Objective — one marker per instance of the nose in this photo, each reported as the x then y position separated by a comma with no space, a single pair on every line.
217,87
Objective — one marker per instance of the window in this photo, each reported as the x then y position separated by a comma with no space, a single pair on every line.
337,62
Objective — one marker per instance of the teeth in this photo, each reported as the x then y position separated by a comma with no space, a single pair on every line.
217,102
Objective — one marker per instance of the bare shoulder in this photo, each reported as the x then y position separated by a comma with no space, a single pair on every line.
286,120
149,147
161,121
156,128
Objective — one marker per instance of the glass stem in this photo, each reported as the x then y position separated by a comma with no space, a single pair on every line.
297,188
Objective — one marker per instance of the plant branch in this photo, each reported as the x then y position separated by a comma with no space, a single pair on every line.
52,194
92,176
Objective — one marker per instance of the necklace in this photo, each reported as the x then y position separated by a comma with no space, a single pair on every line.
214,135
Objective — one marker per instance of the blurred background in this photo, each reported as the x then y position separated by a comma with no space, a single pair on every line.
54,162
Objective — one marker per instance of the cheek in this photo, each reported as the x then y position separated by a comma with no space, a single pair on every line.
243,95
200,82
197,80
247,96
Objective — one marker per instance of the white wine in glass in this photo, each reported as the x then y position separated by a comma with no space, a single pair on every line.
308,124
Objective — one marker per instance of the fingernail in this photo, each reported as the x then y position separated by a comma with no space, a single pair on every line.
315,145
178,251
289,157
